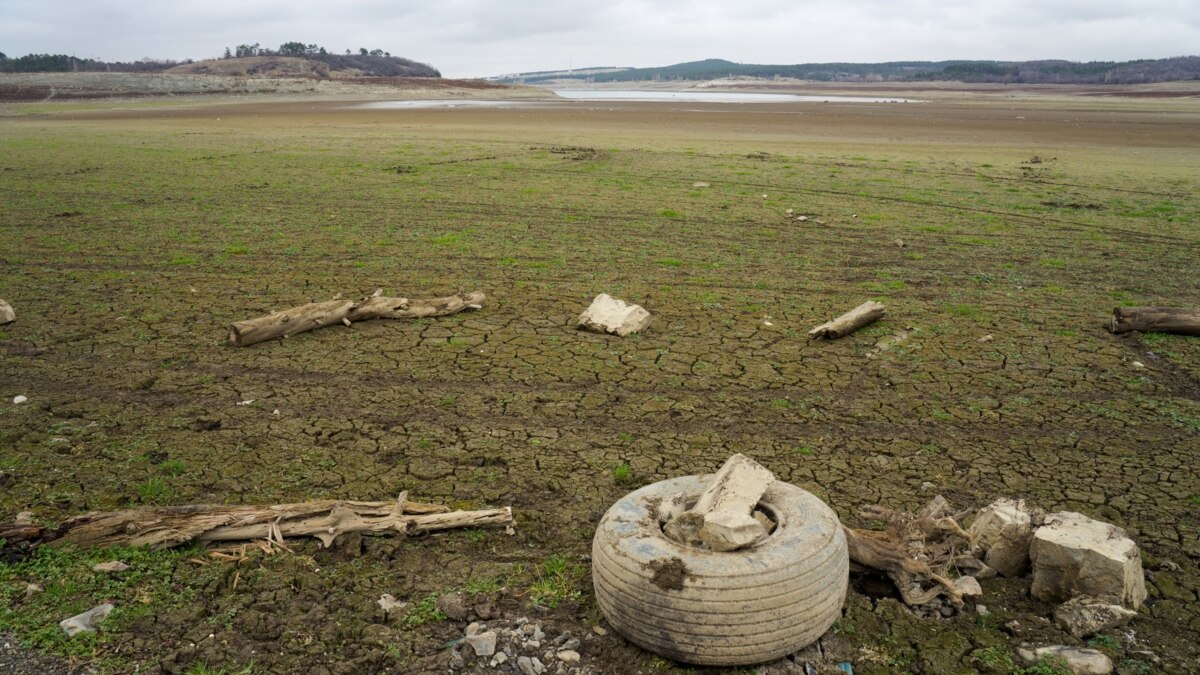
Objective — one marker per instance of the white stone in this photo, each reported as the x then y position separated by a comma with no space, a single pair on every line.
484,643
85,622
607,314
1083,616
7,314
1076,555
111,566
1004,530
1081,661
568,656
729,531
968,586
19,399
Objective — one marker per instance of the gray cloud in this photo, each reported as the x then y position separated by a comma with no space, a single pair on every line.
476,37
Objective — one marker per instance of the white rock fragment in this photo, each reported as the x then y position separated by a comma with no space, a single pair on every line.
1083,616
19,399
802,218
1073,554
607,314
729,531
111,566
87,621
968,586
1138,364
7,313
699,184
483,643
568,656
1004,530
1079,660
246,402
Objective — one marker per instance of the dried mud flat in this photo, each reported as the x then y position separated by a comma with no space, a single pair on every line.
130,239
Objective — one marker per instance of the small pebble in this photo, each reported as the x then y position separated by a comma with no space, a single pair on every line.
568,656
599,630
18,400
1136,364
982,610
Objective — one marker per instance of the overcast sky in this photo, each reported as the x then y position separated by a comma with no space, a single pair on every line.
473,38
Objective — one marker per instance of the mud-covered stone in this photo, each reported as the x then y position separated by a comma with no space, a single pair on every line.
607,314
1083,616
1079,660
484,644
729,531
1003,530
1073,554
452,605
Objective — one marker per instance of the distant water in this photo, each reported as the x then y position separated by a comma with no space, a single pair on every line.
713,97
438,103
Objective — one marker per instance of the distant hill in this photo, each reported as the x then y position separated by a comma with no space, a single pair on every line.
250,61
1024,72
318,65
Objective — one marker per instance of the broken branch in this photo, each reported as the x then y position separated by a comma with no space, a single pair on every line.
162,527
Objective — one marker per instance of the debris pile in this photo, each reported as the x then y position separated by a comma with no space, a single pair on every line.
724,516
519,646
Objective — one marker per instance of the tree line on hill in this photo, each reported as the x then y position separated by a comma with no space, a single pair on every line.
1008,72
371,62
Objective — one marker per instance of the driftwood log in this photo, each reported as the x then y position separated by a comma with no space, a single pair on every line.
7,314
320,314
1156,319
866,313
162,527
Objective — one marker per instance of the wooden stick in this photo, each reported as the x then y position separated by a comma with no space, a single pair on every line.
320,314
866,313
1155,319
162,527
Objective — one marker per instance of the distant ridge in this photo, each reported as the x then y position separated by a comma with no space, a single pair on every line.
1142,71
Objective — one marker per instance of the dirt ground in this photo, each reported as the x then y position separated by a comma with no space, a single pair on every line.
132,235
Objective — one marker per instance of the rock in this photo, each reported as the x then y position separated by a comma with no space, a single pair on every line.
986,338
485,610
982,610
1079,660
699,183
87,621
530,666
802,218
729,531
484,643
1083,616
900,243
19,399
599,630
451,604
568,656
499,658
1076,555
572,645
607,314
7,314
112,566
968,586
456,660
32,590
475,628
1004,530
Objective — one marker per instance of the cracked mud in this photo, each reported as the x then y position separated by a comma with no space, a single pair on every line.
129,251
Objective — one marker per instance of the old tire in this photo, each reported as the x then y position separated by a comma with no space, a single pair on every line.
721,609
